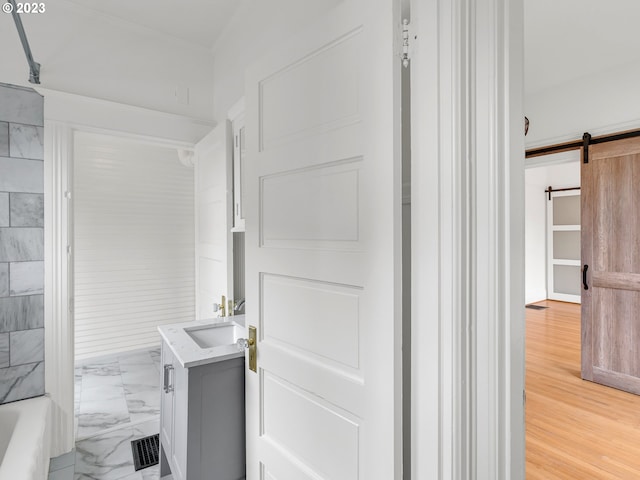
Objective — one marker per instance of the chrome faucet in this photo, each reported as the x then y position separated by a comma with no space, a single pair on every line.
239,306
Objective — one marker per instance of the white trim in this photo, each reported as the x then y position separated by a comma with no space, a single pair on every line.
59,347
565,228
568,263
551,228
118,119
236,110
468,240
553,159
596,132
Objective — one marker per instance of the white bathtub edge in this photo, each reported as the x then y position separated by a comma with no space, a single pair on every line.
27,456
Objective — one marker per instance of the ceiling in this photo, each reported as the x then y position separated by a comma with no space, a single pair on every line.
199,22
564,39
569,39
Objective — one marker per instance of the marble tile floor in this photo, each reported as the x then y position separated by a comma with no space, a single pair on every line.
117,399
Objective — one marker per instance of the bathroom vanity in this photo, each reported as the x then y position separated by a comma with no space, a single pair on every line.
202,427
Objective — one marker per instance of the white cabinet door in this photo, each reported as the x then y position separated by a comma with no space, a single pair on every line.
213,218
180,422
166,402
323,250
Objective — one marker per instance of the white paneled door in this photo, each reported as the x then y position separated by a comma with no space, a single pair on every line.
323,251
213,219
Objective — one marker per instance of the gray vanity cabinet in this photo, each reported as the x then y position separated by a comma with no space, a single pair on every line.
202,428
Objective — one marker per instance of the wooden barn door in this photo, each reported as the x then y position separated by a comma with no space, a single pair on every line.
611,265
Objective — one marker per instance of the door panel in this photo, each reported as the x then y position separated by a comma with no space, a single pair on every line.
323,218
611,229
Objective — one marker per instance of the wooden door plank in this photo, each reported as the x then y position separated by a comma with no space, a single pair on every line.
586,225
610,232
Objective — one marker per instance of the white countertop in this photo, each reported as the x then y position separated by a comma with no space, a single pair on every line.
188,353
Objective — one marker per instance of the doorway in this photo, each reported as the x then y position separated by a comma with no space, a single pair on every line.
131,273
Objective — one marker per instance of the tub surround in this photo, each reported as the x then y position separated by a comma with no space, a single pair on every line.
21,243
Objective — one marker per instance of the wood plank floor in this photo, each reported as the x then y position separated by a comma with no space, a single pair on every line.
575,429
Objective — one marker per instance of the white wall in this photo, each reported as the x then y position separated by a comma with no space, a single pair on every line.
537,180
104,58
603,103
134,243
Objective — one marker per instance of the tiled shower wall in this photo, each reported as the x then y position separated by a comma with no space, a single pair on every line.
21,244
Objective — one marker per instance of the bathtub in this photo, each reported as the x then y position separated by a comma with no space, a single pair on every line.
25,440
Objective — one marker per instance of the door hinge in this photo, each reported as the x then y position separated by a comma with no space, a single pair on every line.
67,195
405,43
71,302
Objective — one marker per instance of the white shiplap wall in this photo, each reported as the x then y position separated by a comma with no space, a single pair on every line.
133,243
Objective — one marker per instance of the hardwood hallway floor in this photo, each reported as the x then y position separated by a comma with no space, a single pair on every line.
575,429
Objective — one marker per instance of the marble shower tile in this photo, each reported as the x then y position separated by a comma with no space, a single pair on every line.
26,141
24,381
4,139
27,210
26,278
21,105
21,244
4,350
21,313
27,346
18,175
4,209
4,280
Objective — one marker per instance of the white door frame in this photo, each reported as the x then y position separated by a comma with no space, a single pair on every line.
467,240
64,115
551,229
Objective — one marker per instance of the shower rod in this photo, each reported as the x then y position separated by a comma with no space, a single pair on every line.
34,67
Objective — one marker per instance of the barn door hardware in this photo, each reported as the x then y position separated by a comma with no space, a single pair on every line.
551,190
585,285
586,140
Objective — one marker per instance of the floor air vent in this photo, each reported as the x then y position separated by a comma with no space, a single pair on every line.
145,451
536,307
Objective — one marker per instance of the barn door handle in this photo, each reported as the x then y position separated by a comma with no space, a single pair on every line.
584,277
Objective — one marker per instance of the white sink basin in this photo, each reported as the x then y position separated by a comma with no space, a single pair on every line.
215,335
